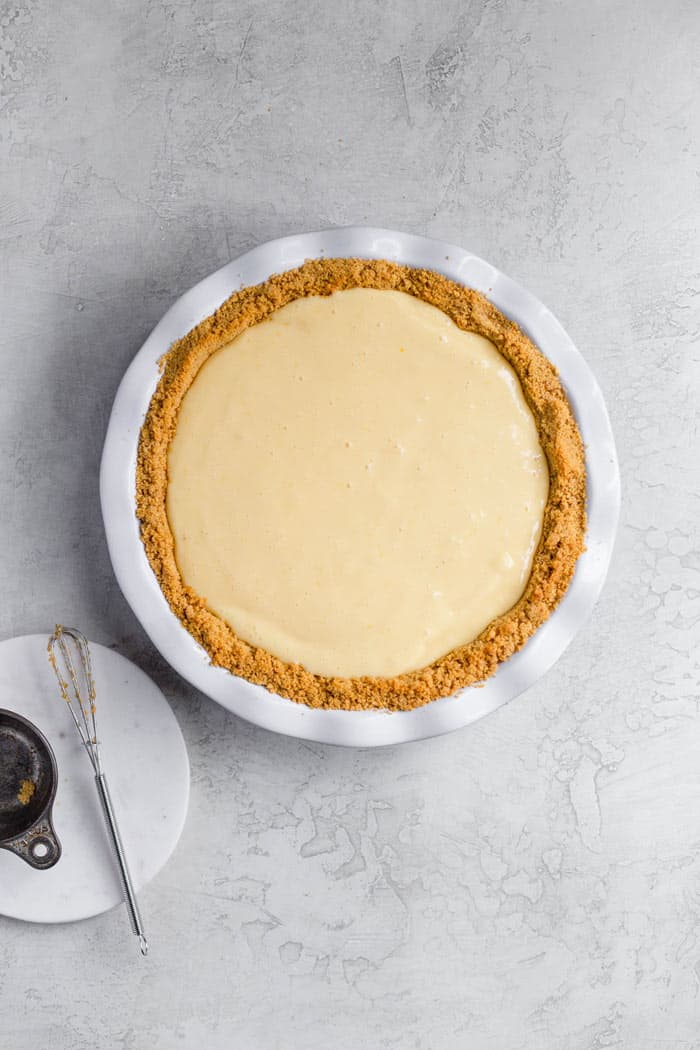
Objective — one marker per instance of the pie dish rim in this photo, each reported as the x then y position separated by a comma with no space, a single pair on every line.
365,728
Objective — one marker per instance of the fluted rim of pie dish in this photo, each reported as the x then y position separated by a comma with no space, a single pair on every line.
254,702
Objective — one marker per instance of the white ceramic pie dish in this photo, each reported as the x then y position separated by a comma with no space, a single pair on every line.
255,703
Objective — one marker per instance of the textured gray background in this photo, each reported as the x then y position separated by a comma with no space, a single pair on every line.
533,881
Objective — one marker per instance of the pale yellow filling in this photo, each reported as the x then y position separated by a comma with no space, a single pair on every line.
356,484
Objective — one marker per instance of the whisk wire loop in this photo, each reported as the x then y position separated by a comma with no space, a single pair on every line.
68,647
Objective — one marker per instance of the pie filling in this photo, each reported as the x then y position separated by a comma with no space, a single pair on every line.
356,485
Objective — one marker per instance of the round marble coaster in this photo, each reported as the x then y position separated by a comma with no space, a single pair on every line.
147,770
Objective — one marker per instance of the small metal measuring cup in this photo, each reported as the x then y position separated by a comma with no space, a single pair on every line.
28,782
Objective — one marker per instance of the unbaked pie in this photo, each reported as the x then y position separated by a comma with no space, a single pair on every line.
360,485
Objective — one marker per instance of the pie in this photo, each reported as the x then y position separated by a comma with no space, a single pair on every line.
360,485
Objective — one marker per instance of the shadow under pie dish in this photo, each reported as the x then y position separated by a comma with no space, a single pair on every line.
322,529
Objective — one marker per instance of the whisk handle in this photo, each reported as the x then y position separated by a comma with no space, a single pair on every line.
125,877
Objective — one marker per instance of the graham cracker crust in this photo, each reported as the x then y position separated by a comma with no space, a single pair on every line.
564,520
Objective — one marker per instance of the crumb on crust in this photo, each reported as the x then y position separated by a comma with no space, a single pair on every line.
564,520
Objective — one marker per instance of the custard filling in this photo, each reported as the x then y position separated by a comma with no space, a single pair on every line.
356,484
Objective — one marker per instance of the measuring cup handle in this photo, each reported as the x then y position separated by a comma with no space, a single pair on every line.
39,846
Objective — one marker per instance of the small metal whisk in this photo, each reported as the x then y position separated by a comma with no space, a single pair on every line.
69,655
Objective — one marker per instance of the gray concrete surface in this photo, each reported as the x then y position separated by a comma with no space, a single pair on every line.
533,881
